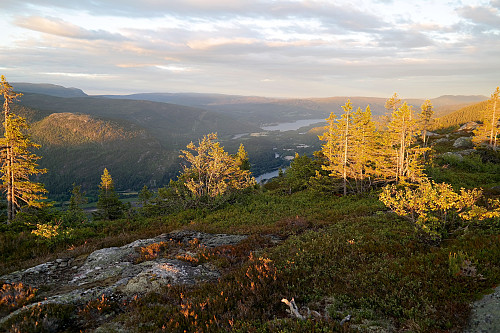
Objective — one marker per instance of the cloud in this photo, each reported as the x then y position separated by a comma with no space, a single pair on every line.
58,27
404,39
217,42
482,17
310,47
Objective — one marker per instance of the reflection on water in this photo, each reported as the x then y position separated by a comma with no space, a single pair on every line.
268,175
292,126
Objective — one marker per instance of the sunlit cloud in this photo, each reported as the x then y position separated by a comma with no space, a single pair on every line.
174,68
215,42
58,27
80,75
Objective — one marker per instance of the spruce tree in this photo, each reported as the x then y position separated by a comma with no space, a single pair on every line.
75,213
364,149
109,206
18,161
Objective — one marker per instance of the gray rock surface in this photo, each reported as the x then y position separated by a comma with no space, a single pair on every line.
470,126
463,142
485,317
120,270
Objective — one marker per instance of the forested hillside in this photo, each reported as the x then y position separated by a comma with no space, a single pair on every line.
48,89
461,116
173,125
138,141
76,148
261,110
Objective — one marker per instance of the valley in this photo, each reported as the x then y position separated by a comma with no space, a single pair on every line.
146,131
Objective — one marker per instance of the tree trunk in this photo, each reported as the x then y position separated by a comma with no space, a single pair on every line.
494,122
344,171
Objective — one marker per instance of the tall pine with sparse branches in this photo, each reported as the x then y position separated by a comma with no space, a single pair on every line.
18,161
487,134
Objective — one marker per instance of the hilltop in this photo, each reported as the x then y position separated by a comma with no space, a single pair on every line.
48,89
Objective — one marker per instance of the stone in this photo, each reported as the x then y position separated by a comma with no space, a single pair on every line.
431,134
166,272
116,270
485,314
441,140
463,142
470,126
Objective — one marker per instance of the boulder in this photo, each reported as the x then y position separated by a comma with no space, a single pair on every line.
470,126
485,314
441,140
463,142
121,270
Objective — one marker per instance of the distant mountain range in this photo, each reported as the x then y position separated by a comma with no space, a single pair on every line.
262,110
138,137
48,89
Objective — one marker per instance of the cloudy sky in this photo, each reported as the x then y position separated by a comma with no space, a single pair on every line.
282,48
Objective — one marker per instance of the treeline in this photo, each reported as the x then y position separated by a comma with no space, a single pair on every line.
461,116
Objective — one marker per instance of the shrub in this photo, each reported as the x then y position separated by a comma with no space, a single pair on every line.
435,208
14,296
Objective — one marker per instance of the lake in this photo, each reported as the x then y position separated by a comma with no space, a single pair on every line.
268,175
282,127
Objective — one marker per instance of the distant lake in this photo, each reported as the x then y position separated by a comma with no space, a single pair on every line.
293,126
268,175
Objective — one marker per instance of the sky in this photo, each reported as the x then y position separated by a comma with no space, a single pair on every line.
276,48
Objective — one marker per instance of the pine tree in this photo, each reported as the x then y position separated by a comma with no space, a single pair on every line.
488,132
407,162
77,199
350,148
109,206
18,162
211,171
145,196
425,120
337,148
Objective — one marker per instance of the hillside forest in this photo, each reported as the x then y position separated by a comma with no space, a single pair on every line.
389,221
